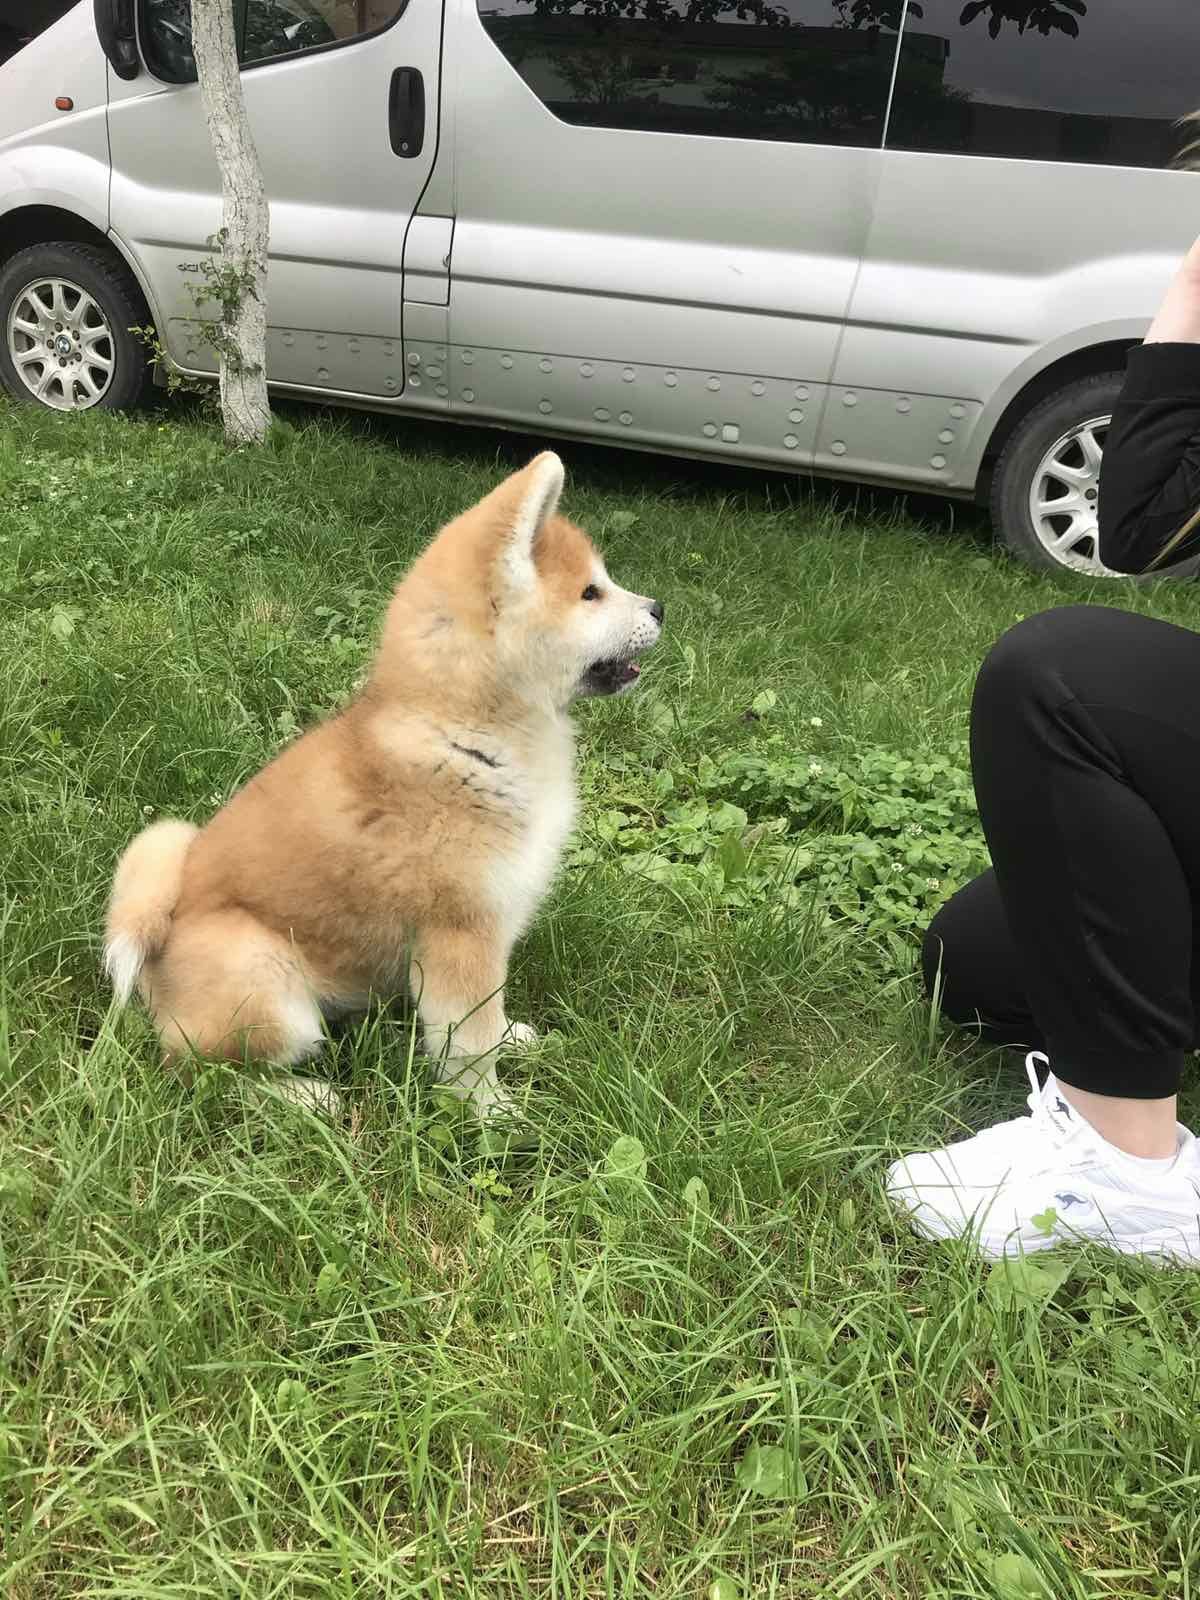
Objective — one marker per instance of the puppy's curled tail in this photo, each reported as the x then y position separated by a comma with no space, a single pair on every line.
145,890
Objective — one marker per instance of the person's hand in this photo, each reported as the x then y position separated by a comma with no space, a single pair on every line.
1178,319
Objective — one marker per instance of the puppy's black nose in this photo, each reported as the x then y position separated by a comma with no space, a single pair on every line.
656,611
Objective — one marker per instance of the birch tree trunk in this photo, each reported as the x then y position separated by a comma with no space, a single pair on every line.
239,280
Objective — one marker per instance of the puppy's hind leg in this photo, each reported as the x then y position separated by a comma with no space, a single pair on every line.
458,985
301,1036
227,988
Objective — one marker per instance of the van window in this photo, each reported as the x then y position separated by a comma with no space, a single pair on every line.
266,29
1048,80
814,71
23,20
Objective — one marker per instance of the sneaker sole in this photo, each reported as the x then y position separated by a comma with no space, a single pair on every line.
1159,1249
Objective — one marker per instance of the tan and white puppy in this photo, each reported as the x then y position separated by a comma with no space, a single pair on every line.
412,835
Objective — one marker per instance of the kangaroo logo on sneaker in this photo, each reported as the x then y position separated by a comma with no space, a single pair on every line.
1061,1105
1069,1200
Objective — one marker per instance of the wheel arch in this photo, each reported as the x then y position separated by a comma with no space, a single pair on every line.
46,223
1088,361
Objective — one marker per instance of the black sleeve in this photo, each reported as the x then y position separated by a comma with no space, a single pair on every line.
1150,477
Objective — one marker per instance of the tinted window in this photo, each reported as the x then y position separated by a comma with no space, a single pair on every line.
810,70
23,20
1048,80
265,29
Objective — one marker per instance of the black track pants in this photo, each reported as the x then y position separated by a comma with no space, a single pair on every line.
1085,747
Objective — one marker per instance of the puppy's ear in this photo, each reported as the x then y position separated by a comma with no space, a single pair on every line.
529,503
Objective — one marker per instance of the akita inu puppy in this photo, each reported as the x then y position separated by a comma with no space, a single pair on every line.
414,833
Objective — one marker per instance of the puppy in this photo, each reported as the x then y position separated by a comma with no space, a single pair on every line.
412,836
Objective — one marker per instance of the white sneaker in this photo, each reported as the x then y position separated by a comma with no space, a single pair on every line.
1049,1178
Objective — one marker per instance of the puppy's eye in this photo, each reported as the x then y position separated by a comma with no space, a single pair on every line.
590,593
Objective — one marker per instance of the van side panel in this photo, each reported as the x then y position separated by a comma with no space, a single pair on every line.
948,322
1026,212
683,291
167,199
49,157
341,203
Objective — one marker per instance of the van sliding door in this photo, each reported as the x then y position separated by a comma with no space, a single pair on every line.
661,210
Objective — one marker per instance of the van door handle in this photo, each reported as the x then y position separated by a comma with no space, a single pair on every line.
406,112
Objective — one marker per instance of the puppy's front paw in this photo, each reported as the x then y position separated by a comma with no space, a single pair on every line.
519,1035
493,1103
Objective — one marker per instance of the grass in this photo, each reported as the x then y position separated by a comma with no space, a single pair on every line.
674,1346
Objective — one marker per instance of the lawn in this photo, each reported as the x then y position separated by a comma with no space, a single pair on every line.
672,1343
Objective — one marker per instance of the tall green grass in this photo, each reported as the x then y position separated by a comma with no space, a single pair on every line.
669,1343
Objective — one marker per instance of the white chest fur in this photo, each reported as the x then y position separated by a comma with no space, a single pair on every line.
528,783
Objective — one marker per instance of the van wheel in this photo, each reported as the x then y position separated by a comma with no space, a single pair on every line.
1046,488
65,315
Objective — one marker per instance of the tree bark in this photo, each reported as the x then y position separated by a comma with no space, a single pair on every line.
240,274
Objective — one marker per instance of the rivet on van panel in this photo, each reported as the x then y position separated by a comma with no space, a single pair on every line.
731,433
586,369
946,436
546,364
442,390
389,383
322,341
790,441
957,410
795,416
937,461
468,395
625,418
506,361
468,356
545,407
670,380
710,430
353,346
434,372
903,405
714,384
838,448
628,375
850,399
289,340
323,374
758,388
389,349
414,360
600,414
801,393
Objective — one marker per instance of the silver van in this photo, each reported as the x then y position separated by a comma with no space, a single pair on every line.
902,242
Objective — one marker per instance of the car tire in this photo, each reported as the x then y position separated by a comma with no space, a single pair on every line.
65,314
1054,454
